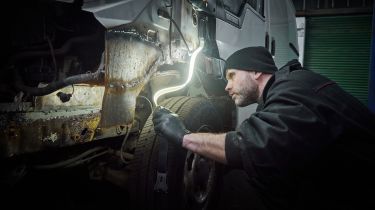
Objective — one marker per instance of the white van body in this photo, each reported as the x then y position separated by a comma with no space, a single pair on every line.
84,73
269,23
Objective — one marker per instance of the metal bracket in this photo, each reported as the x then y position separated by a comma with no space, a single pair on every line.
161,183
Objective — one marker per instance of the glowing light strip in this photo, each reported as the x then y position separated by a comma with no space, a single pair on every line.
179,87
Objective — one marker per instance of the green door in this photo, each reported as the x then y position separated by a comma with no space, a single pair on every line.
339,48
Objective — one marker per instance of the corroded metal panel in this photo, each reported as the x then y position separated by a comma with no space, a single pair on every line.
26,132
82,96
47,122
130,61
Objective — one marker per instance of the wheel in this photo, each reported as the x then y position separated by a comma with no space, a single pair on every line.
190,177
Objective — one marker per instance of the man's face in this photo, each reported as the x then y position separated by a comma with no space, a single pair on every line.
242,87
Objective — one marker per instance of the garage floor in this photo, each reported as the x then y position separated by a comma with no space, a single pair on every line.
57,189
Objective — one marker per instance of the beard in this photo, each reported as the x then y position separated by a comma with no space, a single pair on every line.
247,94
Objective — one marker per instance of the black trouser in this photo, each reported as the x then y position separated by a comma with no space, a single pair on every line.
236,192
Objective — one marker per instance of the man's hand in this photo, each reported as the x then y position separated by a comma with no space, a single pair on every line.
168,125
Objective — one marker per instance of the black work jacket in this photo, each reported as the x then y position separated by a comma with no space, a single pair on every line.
309,145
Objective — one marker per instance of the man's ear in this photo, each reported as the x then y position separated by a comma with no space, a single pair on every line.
257,75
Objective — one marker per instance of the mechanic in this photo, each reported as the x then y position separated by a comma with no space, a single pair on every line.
309,145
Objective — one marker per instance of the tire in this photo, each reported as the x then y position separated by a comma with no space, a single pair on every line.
190,178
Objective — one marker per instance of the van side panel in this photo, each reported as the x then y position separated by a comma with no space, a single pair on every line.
282,30
230,38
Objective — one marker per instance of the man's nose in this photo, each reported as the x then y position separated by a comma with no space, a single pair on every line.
228,86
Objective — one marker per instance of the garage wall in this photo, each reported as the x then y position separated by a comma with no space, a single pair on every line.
339,48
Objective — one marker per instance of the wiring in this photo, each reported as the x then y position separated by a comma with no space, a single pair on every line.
73,89
149,102
179,87
164,14
79,159
82,161
128,129
179,31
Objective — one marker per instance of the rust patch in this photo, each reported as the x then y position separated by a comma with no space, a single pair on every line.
130,60
83,96
31,132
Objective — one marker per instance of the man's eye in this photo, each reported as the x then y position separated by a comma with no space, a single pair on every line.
230,76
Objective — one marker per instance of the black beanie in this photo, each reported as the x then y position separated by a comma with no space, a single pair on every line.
252,59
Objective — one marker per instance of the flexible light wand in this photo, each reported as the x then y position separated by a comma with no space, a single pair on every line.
179,87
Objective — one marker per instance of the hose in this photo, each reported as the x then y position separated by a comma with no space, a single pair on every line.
51,87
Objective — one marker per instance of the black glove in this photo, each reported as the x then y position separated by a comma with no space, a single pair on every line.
168,125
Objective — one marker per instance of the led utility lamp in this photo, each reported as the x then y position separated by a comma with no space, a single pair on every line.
179,87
